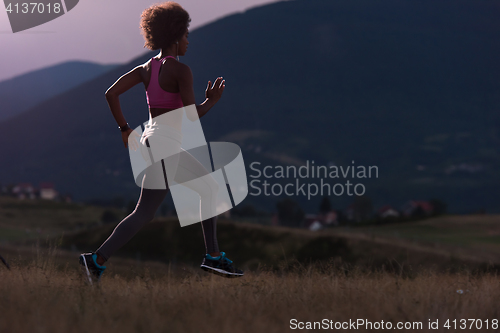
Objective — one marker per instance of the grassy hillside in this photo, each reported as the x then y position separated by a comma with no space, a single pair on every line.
469,235
446,242
22,220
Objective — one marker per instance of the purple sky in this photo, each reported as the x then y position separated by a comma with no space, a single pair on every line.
95,30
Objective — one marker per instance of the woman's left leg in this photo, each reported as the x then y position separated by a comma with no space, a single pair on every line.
144,212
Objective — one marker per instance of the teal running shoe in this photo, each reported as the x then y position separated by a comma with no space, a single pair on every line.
91,269
220,265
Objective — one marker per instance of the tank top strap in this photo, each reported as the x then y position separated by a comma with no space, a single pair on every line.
166,58
153,81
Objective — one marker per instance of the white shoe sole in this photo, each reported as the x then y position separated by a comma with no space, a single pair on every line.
219,271
86,269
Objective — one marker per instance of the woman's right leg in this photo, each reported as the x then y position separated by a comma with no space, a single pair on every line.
189,168
144,212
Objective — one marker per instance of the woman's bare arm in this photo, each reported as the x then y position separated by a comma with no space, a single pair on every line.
124,83
212,93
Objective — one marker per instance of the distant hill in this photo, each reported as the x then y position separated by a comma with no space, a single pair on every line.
441,241
409,86
25,91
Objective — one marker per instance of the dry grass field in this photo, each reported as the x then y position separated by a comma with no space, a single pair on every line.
45,292
441,269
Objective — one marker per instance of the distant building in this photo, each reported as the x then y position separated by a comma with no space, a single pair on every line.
47,191
316,225
320,221
331,218
24,191
310,219
387,211
415,207
464,167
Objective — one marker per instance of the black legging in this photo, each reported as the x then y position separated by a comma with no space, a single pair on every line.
144,212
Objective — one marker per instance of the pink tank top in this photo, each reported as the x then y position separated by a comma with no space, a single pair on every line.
155,95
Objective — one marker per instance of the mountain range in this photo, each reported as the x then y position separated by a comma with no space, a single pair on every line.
25,91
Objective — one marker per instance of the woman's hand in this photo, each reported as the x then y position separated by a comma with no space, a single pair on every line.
130,136
214,93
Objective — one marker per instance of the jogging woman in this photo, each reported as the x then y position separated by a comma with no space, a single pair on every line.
169,86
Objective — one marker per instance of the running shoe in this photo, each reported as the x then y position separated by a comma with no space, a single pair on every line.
220,265
92,270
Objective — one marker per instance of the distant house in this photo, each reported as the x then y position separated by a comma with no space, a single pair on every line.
312,222
331,218
24,191
415,207
316,225
464,167
47,191
319,221
309,219
387,211
360,210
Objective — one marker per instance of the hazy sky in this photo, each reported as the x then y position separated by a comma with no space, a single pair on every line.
103,31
